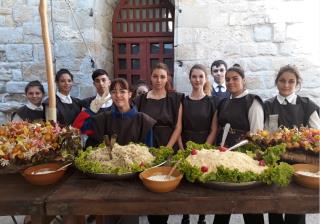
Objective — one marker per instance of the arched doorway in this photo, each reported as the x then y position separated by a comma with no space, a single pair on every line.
143,32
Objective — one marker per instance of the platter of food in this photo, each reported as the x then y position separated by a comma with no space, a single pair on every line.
302,144
119,162
232,170
24,144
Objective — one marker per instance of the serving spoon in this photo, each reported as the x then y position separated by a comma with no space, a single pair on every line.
225,134
47,171
173,169
243,142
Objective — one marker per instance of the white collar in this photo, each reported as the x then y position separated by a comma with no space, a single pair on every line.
106,104
215,85
64,99
291,98
244,93
31,106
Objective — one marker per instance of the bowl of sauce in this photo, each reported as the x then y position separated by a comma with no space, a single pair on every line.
157,180
44,174
307,175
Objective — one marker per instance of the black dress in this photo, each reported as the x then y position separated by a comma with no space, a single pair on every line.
131,126
197,119
27,114
165,111
291,115
66,113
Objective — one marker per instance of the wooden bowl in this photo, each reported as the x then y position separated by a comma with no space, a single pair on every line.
31,174
303,180
160,186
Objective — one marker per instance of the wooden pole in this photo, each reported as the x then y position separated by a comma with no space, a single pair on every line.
52,110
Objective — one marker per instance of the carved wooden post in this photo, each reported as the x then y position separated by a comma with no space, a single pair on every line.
52,111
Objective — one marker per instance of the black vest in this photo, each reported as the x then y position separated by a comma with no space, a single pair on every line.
27,114
291,115
235,112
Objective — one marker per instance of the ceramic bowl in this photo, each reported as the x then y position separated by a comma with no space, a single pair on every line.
306,180
42,174
163,185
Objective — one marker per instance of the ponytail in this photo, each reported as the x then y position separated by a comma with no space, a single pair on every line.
207,88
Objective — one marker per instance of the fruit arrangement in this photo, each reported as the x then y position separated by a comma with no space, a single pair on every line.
296,138
25,143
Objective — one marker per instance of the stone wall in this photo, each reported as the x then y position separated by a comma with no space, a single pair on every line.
21,47
261,35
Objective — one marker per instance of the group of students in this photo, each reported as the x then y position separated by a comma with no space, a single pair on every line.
163,117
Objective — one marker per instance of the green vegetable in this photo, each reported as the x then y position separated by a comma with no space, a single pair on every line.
161,154
280,175
272,154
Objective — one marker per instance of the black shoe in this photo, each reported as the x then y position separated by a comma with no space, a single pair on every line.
91,218
202,222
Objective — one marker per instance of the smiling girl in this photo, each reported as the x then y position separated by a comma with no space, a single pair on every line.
33,110
289,108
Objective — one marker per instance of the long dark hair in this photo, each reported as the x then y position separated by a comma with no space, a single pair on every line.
35,83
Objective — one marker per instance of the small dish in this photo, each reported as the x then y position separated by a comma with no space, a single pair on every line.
44,174
160,186
300,175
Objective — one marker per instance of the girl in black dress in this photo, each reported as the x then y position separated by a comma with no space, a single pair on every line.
199,119
244,112
164,105
123,119
33,110
289,110
68,107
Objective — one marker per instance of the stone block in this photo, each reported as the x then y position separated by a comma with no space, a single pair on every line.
5,74
15,87
38,52
5,11
262,33
296,31
3,56
65,32
11,35
16,75
254,82
267,49
19,52
247,19
2,20
70,49
22,13
33,71
71,64
32,32
87,91
257,64
248,49
279,32
201,12
61,15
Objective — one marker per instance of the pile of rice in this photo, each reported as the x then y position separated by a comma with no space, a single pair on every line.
122,156
231,160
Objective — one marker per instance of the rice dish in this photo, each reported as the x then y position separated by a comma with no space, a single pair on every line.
213,159
122,156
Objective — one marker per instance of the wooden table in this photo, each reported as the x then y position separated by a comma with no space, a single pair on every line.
80,195
18,197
